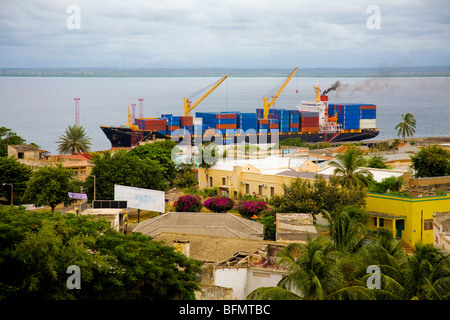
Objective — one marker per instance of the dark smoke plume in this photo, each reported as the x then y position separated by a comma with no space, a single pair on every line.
334,86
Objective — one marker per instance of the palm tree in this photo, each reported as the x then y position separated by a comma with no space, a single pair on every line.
348,171
407,127
347,227
427,273
317,271
74,141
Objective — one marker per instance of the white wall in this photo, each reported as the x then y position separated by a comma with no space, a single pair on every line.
245,280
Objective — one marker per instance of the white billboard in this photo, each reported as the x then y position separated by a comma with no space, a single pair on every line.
139,198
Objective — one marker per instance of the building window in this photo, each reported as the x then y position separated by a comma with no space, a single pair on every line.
224,181
247,188
272,191
260,190
375,221
381,222
428,224
211,182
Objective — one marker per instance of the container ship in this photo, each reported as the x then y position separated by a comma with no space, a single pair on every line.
312,121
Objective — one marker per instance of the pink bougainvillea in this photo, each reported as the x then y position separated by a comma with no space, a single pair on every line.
188,203
250,208
219,204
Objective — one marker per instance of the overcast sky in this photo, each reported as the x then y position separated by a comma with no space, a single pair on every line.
224,33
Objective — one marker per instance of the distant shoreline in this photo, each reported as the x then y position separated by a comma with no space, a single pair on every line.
235,72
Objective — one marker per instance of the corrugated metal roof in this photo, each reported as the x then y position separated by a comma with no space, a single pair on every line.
202,223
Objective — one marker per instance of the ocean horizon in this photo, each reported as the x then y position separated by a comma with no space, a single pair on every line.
424,71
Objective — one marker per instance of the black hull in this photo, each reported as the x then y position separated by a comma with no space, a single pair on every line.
123,137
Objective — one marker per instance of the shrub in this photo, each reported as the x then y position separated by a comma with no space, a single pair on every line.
188,203
210,192
250,208
219,204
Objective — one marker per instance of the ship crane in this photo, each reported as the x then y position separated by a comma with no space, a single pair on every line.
267,105
188,107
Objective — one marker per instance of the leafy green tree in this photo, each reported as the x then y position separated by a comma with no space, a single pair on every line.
145,270
431,161
49,186
387,185
37,247
377,162
161,152
15,173
7,137
315,196
74,141
44,256
185,176
348,168
123,168
407,127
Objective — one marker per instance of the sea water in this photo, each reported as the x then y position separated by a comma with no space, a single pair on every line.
39,109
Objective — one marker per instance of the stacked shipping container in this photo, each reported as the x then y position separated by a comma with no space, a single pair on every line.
350,116
354,116
309,122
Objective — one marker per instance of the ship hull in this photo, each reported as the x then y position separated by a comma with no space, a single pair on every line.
123,137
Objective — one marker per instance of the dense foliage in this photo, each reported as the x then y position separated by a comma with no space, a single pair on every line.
123,168
338,267
7,137
15,173
431,161
50,186
36,248
161,152
308,196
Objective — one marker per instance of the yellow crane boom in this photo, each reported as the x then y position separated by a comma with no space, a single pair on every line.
187,104
267,105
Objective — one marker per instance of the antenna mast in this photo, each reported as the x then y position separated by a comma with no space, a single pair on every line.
77,111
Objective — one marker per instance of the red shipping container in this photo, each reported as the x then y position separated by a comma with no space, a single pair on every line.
263,121
309,129
226,116
186,121
309,123
372,107
226,126
294,125
171,128
273,126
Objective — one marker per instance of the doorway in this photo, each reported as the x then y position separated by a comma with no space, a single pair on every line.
399,226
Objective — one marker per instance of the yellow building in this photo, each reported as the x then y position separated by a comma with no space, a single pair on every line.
81,169
264,177
409,219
